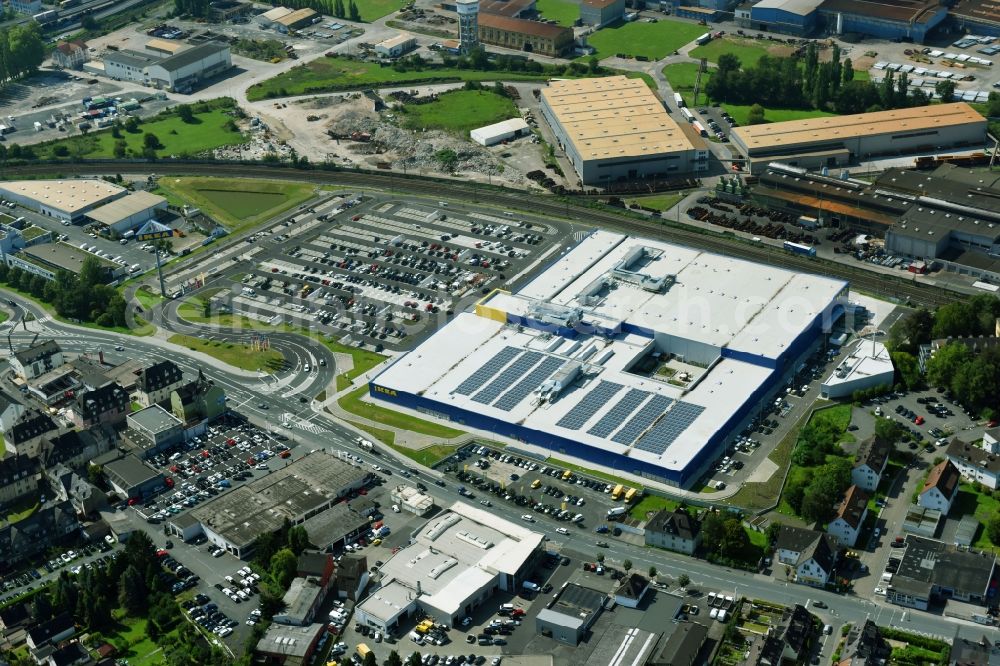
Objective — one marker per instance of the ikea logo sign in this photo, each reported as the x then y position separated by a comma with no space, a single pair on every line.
380,389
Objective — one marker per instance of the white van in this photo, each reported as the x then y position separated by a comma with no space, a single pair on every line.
416,638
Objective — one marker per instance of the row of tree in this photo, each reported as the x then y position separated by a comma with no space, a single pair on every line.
22,50
792,83
83,297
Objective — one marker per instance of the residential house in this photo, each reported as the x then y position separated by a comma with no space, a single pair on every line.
965,652
70,55
288,644
791,641
75,448
86,499
303,599
811,554
869,463
51,631
11,411
198,400
684,646
36,360
352,576
105,405
18,477
675,530
974,463
155,383
631,590
71,654
14,617
941,487
320,566
865,646
25,438
35,534
846,524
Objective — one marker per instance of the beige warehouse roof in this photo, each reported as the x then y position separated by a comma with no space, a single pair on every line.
165,45
815,130
398,40
65,195
129,205
297,16
614,117
276,13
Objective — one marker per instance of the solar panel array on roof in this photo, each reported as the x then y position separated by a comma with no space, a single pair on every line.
532,380
476,380
588,405
643,419
663,434
621,411
503,381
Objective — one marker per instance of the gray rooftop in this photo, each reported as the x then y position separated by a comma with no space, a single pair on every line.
300,598
154,419
192,55
130,471
130,58
935,563
289,641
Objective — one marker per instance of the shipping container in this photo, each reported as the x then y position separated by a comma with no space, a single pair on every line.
678,100
799,248
699,128
687,115
704,39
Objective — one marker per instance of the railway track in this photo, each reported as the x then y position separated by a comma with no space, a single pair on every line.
888,286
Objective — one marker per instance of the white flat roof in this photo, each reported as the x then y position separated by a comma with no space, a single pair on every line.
502,128
457,554
398,40
870,358
127,206
69,196
734,317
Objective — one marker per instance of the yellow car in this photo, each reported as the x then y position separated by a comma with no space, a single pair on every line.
377,542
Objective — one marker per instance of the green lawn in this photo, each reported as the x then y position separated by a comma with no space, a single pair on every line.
142,650
337,73
364,361
177,138
237,355
748,51
460,111
981,504
650,81
659,202
739,114
651,503
352,402
564,12
22,508
376,9
238,203
840,417
4,316
652,40
147,299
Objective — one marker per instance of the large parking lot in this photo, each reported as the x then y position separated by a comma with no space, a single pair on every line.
376,271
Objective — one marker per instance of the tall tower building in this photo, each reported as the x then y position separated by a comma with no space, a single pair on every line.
468,24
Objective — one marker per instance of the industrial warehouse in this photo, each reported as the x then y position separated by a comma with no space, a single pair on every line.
628,353
616,128
455,563
910,20
948,217
843,140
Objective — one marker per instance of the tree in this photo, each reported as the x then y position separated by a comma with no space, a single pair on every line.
945,89
354,14
652,573
728,62
120,149
338,9
683,580
284,564
888,430
393,659
185,113
627,565
993,529
298,539
131,124
414,659
735,540
755,116
132,591
907,369
593,65
600,557
150,140
41,607
943,367
848,71
370,659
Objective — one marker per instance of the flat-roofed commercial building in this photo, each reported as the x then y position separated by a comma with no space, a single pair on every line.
909,20
616,128
396,46
840,140
457,562
523,35
128,212
61,199
599,13
48,259
305,488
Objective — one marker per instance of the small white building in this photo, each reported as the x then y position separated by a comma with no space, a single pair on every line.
411,500
851,513
867,367
502,131
977,464
869,463
941,487
811,554
396,46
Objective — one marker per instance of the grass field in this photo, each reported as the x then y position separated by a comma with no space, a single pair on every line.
364,361
840,417
238,203
659,202
748,51
740,113
651,503
983,505
352,402
236,355
652,40
460,111
376,9
142,651
178,138
565,13
326,74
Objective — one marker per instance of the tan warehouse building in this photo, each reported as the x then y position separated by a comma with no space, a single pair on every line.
841,140
616,129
